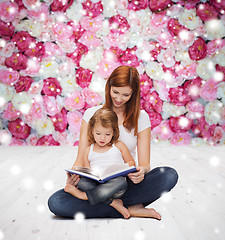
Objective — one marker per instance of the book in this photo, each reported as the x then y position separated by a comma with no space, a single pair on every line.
109,173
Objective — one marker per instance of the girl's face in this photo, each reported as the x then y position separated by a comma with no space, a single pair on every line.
120,95
102,135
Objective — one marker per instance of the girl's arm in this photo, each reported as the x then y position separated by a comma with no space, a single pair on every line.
125,153
83,145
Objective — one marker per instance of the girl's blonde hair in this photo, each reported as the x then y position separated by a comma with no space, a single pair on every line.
107,118
126,76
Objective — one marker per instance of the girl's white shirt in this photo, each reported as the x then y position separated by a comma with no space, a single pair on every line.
125,136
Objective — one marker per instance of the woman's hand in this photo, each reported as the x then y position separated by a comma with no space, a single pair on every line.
138,176
72,179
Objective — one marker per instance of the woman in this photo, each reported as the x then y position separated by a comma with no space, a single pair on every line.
122,95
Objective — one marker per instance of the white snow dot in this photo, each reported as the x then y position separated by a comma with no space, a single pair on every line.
214,161
48,185
79,217
139,235
15,169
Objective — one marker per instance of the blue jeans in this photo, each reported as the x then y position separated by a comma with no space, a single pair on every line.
103,192
157,181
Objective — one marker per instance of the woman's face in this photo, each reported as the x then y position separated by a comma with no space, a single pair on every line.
120,95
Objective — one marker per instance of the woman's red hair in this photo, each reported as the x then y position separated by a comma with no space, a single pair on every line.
126,76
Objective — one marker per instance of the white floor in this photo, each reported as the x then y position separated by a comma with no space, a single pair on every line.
194,210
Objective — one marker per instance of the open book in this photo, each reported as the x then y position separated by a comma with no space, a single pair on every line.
109,173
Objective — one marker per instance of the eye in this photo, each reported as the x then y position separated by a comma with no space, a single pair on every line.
97,133
108,134
115,92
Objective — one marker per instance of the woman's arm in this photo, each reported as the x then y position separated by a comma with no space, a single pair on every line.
83,145
143,151
125,153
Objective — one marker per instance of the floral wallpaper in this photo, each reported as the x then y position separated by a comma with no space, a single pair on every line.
55,57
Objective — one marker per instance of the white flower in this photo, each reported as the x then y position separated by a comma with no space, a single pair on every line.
220,57
167,57
22,102
183,57
154,70
104,30
5,137
215,29
98,84
67,46
213,112
109,8
92,59
34,28
67,68
68,84
174,10
221,91
6,49
6,94
75,12
189,19
44,127
205,68
49,68
172,110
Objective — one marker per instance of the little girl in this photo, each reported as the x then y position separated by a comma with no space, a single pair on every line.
105,150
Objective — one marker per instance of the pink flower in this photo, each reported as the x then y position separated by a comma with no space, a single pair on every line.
78,31
83,77
155,119
214,46
195,110
92,24
206,11
159,5
59,5
51,49
36,112
78,53
197,50
90,40
128,57
167,57
118,24
92,9
155,49
8,11
209,90
92,98
8,49
60,120
47,140
202,129
193,88
137,5
17,61
159,20
145,84
153,102
74,101
19,129
61,31
32,140
180,124
174,27
178,96
22,40
51,105
11,113
51,87
186,71
163,131
218,134
180,139
6,30
33,67
23,84
8,77
41,14
35,50
218,5
17,142
74,119
166,40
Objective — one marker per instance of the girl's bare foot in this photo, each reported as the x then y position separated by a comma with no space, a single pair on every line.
75,192
118,205
140,211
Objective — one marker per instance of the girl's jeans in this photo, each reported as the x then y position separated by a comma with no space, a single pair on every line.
155,183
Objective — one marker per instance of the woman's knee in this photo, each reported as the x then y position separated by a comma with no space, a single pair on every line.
170,175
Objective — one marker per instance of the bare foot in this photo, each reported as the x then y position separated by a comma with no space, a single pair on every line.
140,211
75,192
118,205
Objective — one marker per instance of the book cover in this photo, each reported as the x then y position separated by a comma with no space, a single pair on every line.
109,173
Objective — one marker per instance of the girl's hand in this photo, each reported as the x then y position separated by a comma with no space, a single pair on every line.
138,176
72,179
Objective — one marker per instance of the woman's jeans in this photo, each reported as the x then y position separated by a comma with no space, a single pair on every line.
155,183
103,192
